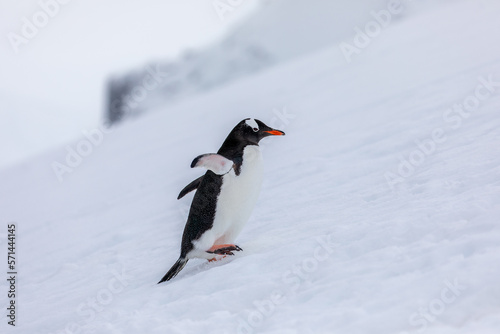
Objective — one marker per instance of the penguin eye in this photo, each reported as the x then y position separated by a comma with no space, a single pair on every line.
255,129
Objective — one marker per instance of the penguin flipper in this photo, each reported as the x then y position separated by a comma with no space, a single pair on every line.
190,187
215,162
176,268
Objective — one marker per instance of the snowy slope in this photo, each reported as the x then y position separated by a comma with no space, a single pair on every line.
331,247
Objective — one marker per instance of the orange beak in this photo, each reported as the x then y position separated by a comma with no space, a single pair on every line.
276,132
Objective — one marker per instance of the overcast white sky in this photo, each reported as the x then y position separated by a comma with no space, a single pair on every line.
53,88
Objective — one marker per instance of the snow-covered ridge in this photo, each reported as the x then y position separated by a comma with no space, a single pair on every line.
279,31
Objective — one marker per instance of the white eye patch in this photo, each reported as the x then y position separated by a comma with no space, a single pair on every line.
253,124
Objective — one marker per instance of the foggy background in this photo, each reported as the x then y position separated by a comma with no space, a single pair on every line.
55,85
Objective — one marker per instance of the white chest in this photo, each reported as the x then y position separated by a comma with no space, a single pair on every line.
236,200
239,193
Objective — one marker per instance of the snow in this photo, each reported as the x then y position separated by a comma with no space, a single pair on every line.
331,246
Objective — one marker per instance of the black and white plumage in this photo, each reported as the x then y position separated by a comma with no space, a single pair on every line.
225,196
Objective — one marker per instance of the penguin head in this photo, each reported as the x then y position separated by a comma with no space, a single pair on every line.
253,130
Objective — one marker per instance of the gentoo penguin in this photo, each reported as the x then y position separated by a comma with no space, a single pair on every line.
225,196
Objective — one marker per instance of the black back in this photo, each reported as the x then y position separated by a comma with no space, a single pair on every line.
202,212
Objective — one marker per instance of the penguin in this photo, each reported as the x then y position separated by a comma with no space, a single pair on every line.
225,195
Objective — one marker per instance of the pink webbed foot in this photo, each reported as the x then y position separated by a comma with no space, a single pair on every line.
226,249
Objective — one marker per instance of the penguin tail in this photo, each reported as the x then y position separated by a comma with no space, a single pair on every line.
176,268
